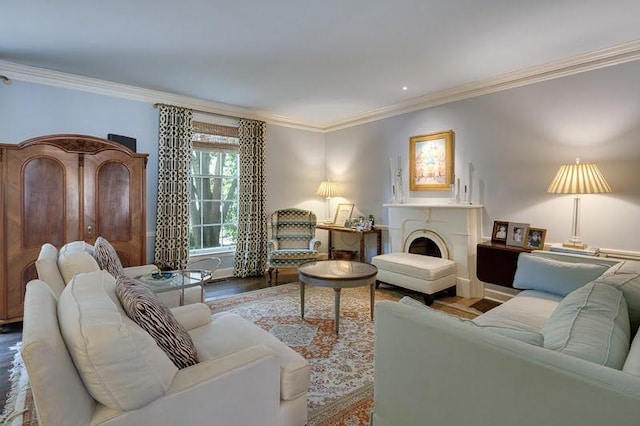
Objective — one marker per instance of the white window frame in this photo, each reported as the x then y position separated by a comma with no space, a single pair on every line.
205,141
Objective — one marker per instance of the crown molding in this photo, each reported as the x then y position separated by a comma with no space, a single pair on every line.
602,58
26,73
615,55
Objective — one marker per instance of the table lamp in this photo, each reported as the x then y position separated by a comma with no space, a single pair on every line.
328,189
578,178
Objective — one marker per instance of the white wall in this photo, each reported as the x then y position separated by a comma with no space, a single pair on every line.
295,158
516,140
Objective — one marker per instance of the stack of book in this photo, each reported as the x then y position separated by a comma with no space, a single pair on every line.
588,251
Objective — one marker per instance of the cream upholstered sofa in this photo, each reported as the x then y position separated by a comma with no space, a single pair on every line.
58,267
564,351
90,364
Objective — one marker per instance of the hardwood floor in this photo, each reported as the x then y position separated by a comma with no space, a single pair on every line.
12,333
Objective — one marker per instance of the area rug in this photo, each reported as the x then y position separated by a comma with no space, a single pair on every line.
342,366
341,390
19,408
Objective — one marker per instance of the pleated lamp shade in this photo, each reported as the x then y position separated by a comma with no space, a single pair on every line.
327,189
579,178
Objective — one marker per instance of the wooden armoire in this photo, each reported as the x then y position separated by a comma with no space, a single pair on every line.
62,188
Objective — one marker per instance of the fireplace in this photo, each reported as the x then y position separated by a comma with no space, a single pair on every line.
425,247
450,231
426,243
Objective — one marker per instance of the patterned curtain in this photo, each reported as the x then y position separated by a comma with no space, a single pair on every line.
252,219
174,179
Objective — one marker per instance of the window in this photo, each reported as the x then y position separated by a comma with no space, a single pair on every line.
213,206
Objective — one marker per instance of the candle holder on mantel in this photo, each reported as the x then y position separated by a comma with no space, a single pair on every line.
398,192
453,196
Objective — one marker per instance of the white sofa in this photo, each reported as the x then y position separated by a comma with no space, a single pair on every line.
534,360
89,364
57,267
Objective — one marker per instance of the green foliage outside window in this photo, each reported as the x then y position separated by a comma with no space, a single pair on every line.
214,199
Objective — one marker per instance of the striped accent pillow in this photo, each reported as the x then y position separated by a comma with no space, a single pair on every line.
147,310
107,257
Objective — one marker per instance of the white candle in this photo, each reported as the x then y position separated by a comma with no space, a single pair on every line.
391,169
470,183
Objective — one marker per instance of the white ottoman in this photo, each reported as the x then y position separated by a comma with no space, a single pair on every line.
425,274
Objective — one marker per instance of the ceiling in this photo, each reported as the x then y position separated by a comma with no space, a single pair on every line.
320,64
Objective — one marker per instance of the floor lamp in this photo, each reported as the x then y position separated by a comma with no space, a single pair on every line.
578,179
328,189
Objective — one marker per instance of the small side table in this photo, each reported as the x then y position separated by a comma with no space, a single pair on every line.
337,274
162,282
497,263
361,234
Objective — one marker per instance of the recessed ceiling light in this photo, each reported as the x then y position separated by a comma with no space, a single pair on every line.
405,88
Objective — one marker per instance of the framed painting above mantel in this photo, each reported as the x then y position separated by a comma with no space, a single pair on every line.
431,161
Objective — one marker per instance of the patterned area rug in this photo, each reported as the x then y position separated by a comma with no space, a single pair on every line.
342,366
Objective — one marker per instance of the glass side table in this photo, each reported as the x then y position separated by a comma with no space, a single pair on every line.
164,281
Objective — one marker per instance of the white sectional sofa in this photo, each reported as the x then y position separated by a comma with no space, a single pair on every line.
564,351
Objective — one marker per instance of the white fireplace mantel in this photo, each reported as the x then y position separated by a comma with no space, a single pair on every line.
458,224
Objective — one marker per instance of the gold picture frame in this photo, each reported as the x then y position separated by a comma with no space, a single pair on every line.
534,239
431,161
343,213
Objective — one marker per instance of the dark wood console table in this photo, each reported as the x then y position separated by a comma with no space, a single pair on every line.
497,262
361,234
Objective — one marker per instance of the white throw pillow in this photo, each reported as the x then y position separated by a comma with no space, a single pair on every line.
48,270
119,362
73,260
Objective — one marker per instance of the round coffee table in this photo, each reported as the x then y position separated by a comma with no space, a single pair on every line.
337,274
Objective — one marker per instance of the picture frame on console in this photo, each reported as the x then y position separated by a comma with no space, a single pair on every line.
534,238
431,161
516,234
499,233
343,213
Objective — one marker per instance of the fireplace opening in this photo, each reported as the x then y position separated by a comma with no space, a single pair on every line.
427,243
424,246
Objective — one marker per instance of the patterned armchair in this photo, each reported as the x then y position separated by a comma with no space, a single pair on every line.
293,239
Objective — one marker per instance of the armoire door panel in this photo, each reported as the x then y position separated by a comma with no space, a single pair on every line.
113,201
31,189
44,195
41,205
